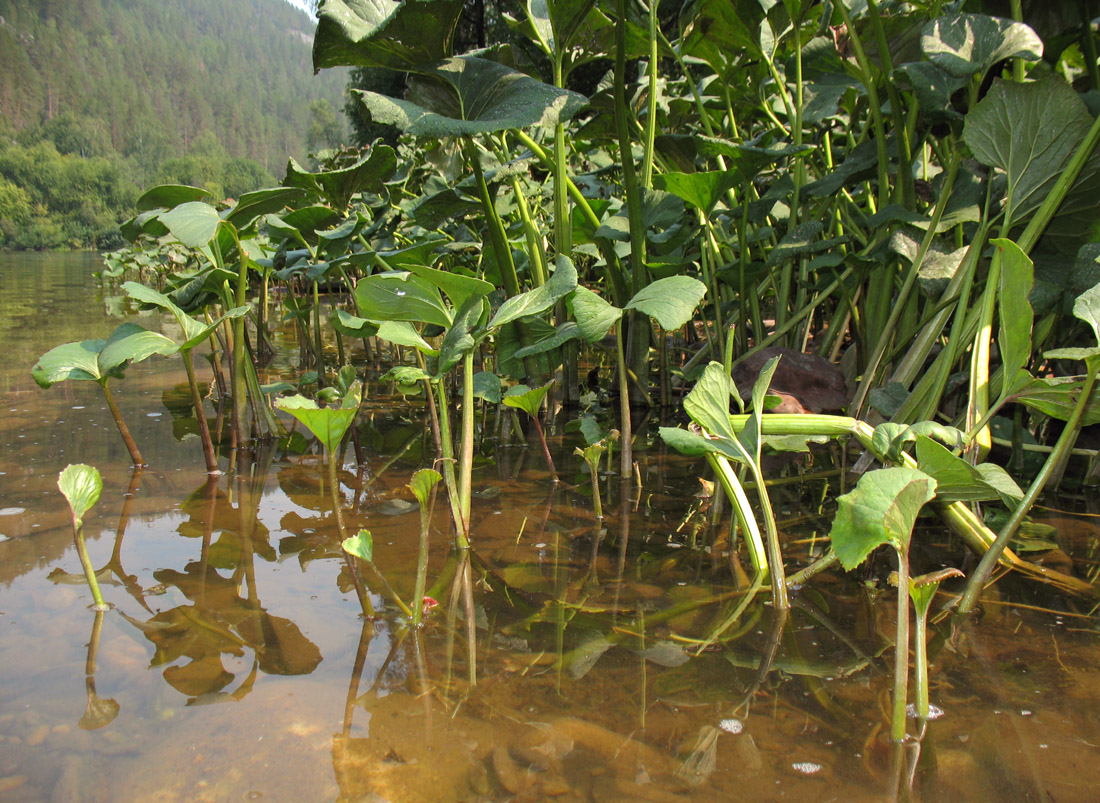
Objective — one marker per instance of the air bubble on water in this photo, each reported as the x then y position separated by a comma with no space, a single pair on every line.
731,725
12,511
807,767
934,711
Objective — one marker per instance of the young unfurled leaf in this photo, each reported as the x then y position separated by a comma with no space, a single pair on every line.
527,399
81,485
361,545
422,483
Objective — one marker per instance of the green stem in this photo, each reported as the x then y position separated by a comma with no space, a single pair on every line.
980,577
204,428
901,651
123,430
89,571
626,454
466,461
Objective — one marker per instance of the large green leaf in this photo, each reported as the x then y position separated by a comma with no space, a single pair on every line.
1030,131
556,26
81,485
328,424
708,403
561,283
404,333
467,95
701,190
594,315
459,288
969,44
401,296
1016,316
254,205
1057,396
671,301
718,31
882,509
338,186
168,196
193,223
99,359
395,34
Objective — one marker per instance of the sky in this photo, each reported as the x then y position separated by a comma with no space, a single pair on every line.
299,4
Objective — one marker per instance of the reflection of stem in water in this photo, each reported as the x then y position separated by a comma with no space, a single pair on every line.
98,712
462,587
129,581
365,636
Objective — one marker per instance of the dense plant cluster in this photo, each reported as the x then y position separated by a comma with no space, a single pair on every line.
910,190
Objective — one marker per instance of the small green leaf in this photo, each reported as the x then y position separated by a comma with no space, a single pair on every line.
360,545
422,483
404,333
882,509
1087,308
81,485
527,399
328,424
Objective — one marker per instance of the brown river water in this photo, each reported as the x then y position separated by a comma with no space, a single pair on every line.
236,662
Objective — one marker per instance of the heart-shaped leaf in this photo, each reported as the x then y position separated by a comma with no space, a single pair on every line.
360,545
527,399
467,95
338,186
394,34
672,300
422,483
882,509
328,424
969,44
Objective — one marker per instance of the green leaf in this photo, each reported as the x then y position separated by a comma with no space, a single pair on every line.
98,359
594,315
718,31
1058,396
130,343
487,387
352,325
701,190
671,301
360,545
422,483
405,375
194,330
395,34
459,288
686,442
404,333
401,296
1016,316
882,509
459,340
959,481
969,44
193,223
338,186
527,399
169,196
561,283
708,403
552,340
253,205
466,95
1031,132
81,485
1087,308
328,424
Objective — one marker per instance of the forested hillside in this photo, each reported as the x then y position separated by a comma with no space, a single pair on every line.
101,98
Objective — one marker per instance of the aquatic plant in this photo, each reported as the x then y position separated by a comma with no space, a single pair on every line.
81,486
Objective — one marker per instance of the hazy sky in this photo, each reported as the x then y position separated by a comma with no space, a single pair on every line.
299,4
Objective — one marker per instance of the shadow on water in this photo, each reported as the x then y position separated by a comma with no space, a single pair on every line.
570,657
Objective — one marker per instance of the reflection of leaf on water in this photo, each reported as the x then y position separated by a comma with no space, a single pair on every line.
99,712
312,539
223,623
226,552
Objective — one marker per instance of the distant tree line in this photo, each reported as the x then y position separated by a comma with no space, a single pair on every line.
102,98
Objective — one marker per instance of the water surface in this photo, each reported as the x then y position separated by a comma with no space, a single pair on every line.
237,662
